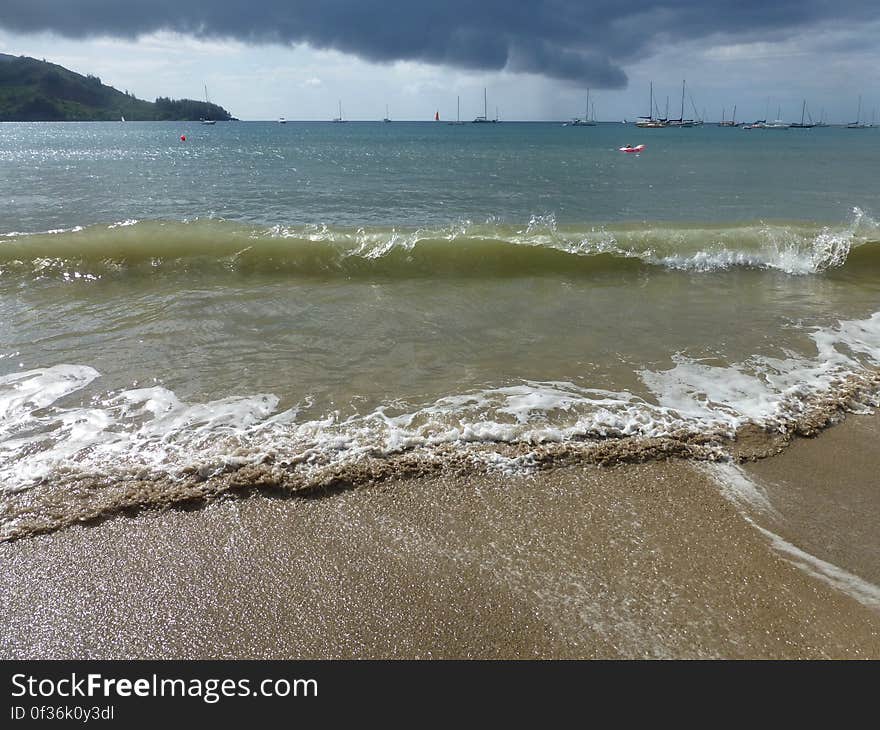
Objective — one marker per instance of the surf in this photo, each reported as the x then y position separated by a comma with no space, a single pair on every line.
70,450
464,249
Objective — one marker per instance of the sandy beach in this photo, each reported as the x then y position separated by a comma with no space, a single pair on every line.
410,387
648,560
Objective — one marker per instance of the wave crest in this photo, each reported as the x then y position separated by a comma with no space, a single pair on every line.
462,249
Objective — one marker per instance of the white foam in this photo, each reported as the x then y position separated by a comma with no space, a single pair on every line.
861,590
151,430
782,250
739,488
24,392
748,495
796,250
771,392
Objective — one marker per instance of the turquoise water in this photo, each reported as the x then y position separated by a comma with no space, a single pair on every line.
320,295
416,174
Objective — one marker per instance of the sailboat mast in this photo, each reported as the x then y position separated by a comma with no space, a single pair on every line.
803,112
681,118
485,105
651,103
587,111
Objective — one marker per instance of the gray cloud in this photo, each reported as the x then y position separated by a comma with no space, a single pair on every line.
583,41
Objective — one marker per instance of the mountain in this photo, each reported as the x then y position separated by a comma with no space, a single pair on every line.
37,91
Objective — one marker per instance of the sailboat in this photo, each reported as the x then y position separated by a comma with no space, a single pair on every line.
208,101
387,117
457,121
586,121
858,124
728,122
437,116
803,124
681,121
697,121
340,119
777,123
282,120
485,118
650,121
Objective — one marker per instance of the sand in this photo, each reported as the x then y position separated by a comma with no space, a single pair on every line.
826,492
632,561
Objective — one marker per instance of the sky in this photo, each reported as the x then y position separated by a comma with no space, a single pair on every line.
263,59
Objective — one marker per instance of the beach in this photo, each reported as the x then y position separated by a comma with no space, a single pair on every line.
418,390
646,560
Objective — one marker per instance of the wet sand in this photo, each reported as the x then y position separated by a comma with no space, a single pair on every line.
645,560
826,492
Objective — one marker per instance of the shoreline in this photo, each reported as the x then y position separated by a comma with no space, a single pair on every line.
646,560
91,500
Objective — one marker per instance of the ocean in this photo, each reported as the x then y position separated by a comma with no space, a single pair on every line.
309,306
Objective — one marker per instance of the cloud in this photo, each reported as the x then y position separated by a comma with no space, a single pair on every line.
582,41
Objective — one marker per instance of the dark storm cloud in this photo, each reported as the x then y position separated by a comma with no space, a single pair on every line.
576,40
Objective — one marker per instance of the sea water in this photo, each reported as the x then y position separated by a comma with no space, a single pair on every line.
288,302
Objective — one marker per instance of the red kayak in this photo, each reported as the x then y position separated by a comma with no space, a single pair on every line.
630,148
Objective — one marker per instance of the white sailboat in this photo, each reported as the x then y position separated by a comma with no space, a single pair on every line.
777,123
208,101
650,121
586,121
728,122
387,117
340,118
858,124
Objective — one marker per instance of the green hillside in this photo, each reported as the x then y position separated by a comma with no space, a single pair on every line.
37,91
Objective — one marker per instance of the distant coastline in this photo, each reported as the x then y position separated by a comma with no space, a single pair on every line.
38,91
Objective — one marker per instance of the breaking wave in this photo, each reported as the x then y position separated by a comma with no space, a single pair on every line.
464,249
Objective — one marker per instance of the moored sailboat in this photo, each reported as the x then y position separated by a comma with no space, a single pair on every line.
803,124
586,121
340,119
457,121
858,124
650,121
728,122
207,101
485,118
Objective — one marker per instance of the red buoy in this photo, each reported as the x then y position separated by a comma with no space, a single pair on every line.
183,138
